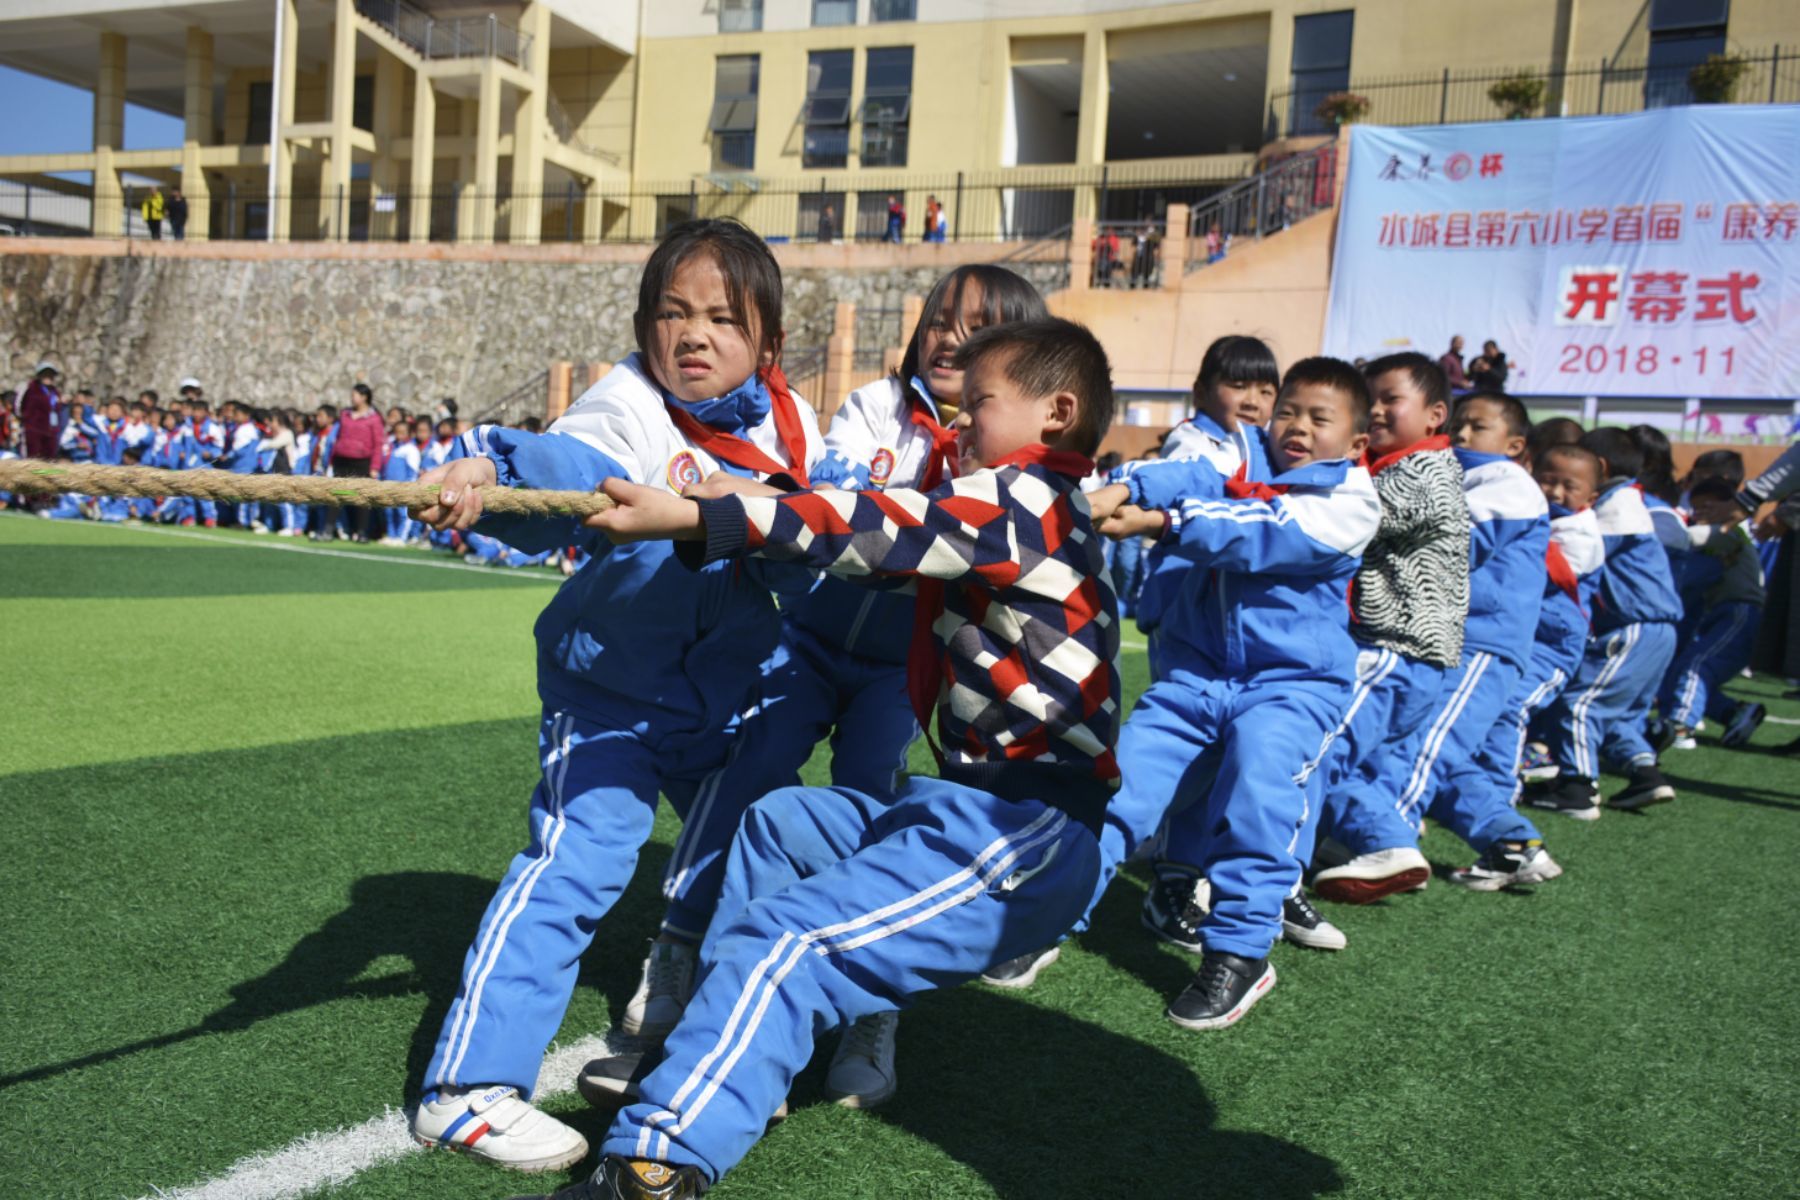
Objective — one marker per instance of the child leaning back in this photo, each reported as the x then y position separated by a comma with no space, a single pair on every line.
641,663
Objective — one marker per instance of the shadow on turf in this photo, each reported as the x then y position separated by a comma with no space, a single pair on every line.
427,918
1735,793
176,571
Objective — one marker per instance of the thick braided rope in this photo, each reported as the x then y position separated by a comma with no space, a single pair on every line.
87,479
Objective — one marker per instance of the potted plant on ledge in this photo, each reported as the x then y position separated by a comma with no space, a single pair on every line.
1342,108
1519,96
1715,81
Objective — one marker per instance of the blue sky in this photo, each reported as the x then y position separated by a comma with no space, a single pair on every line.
46,117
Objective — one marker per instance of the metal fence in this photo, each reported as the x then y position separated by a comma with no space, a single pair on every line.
1449,96
453,37
1287,192
1014,204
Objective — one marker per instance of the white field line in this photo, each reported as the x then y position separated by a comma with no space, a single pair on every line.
276,544
319,1160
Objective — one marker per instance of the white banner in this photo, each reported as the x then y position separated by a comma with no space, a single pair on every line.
1656,254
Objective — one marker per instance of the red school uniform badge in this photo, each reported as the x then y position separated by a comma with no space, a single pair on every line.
684,470
881,467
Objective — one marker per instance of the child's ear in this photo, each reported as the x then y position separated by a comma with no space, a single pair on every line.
1359,446
1515,449
1060,411
771,352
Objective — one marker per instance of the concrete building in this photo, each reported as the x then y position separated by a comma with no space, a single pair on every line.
608,119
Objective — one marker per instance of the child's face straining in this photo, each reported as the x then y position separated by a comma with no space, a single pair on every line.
698,348
1569,482
1313,422
944,332
998,418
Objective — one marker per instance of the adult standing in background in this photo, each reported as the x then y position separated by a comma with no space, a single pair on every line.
360,451
828,224
178,214
40,412
1777,650
154,209
1452,362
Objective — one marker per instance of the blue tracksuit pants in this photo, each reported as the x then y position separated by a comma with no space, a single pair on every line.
1450,781
591,812
1128,573
836,907
1602,711
809,690
1717,651
1365,762
1222,761
1546,674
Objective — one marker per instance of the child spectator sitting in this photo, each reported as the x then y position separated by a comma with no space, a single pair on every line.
1726,622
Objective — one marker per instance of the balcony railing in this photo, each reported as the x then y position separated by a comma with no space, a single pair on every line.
455,37
1266,203
1449,96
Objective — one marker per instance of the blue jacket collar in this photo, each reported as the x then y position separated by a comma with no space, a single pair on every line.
743,407
919,389
1328,473
1475,458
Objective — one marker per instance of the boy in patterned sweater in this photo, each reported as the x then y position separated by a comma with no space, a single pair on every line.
835,906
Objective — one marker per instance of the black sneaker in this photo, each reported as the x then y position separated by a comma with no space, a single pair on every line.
1572,797
1502,866
1646,787
1660,734
1021,972
1743,723
1302,925
612,1082
640,1179
1223,990
1174,907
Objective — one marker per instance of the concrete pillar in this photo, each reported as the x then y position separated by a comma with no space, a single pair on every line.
1081,253
334,180
840,362
1174,247
424,153
197,112
109,136
384,172
465,168
1090,129
531,124
281,94
487,152
562,375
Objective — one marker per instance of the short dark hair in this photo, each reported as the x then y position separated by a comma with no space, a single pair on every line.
1512,410
364,390
752,277
1713,487
1046,356
1573,453
1237,358
1551,432
1719,464
1337,375
330,411
1426,375
1005,296
532,425
1617,448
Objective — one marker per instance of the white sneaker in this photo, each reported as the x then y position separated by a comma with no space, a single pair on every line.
861,1074
662,993
493,1123
1684,741
1370,877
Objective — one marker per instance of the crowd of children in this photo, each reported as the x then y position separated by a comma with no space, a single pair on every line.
1364,606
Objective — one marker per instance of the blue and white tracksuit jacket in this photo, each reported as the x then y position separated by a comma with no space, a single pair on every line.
1202,438
836,907
1556,648
840,669
1257,668
1508,538
1602,711
405,463
1724,619
642,665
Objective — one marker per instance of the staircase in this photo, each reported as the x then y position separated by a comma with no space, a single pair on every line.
455,37
1263,205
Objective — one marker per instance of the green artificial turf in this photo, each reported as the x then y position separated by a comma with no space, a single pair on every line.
256,802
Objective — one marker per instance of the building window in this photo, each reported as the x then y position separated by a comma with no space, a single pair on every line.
1321,66
1682,34
887,106
262,97
894,10
826,113
733,120
740,16
834,12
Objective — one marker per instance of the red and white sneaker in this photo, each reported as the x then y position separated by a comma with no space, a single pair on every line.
495,1124
1374,876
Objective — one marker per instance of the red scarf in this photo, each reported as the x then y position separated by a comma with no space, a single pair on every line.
1562,574
1239,487
729,447
924,664
1439,441
942,459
